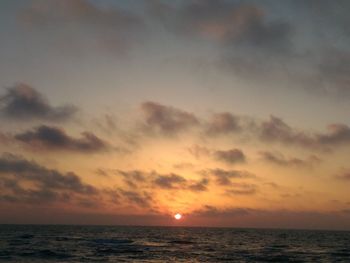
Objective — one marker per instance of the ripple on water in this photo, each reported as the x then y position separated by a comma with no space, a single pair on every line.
161,244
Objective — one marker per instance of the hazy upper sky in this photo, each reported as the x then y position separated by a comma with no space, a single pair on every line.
232,113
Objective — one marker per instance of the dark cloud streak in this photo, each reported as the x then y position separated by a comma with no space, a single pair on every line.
231,156
47,184
53,138
22,102
280,159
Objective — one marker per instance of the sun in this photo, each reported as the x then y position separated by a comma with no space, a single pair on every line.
178,216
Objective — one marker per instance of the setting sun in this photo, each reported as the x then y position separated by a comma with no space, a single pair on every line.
178,216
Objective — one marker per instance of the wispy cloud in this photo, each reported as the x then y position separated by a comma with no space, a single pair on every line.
280,159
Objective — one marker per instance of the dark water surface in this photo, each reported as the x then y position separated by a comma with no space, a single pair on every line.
28,243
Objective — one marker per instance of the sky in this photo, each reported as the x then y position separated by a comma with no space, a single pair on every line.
231,113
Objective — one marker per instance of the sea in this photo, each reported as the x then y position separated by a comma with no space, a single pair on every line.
63,243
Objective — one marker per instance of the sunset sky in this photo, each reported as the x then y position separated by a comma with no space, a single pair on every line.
231,113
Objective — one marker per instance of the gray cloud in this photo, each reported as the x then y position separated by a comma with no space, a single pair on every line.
232,156
13,192
276,129
134,175
258,47
143,199
242,189
199,186
84,23
223,177
252,44
223,123
53,138
337,133
47,184
226,22
280,159
22,102
175,181
135,178
166,120
170,181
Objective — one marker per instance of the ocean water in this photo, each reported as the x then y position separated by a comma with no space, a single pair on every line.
28,243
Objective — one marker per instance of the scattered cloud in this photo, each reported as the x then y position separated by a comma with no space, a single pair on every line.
223,123
143,199
276,129
225,22
260,46
133,178
175,181
166,120
224,177
242,189
170,181
280,159
199,186
54,138
232,156
27,181
337,134
22,102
